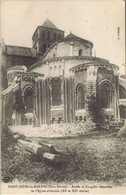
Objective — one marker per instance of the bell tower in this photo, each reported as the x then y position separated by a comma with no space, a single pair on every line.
45,35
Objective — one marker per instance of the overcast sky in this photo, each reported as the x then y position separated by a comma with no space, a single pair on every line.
94,20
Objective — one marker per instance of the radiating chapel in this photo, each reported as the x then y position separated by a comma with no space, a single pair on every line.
56,88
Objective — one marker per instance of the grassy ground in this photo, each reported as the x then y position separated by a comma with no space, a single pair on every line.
99,158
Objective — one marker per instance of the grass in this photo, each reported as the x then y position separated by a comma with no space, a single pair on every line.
99,158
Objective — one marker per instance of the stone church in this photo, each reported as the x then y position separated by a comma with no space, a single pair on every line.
54,80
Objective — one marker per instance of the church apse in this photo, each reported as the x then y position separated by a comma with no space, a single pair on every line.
58,86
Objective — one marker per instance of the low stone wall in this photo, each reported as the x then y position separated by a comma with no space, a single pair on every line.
54,130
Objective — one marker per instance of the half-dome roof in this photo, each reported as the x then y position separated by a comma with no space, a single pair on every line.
72,37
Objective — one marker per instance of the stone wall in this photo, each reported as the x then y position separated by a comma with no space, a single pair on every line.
103,73
12,60
69,49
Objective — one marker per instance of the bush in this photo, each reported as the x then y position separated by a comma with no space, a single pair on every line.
95,109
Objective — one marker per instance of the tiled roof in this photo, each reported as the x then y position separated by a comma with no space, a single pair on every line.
20,51
72,37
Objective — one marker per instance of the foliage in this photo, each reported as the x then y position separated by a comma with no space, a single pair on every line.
3,77
9,98
18,104
95,109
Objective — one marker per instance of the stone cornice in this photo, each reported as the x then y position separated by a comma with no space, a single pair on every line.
28,76
94,59
83,66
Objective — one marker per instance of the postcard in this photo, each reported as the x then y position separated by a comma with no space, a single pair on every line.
63,92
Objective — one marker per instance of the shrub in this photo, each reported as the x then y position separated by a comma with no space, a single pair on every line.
95,109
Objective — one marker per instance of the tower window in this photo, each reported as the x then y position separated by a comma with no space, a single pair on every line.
48,36
13,60
80,52
59,37
44,35
44,48
54,36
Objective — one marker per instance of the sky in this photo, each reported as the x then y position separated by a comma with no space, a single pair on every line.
99,21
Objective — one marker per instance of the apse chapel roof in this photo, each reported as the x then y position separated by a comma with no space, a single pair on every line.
95,61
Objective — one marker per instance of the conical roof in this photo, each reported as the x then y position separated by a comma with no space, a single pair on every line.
49,24
72,37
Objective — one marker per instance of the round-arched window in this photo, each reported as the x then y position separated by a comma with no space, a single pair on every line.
29,100
60,70
80,52
43,34
44,47
55,36
59,37
56,92
80,97
122,92
48,35
105,95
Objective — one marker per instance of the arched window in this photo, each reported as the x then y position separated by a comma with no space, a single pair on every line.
29,100
53,120
80,52
43,34
122,111
54,69
59,37
105,95
80,118
54,36
50,71
56,92
44,47
60,70
80,97
122,92
13,60
48,35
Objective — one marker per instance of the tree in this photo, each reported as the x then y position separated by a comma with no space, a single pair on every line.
95,109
